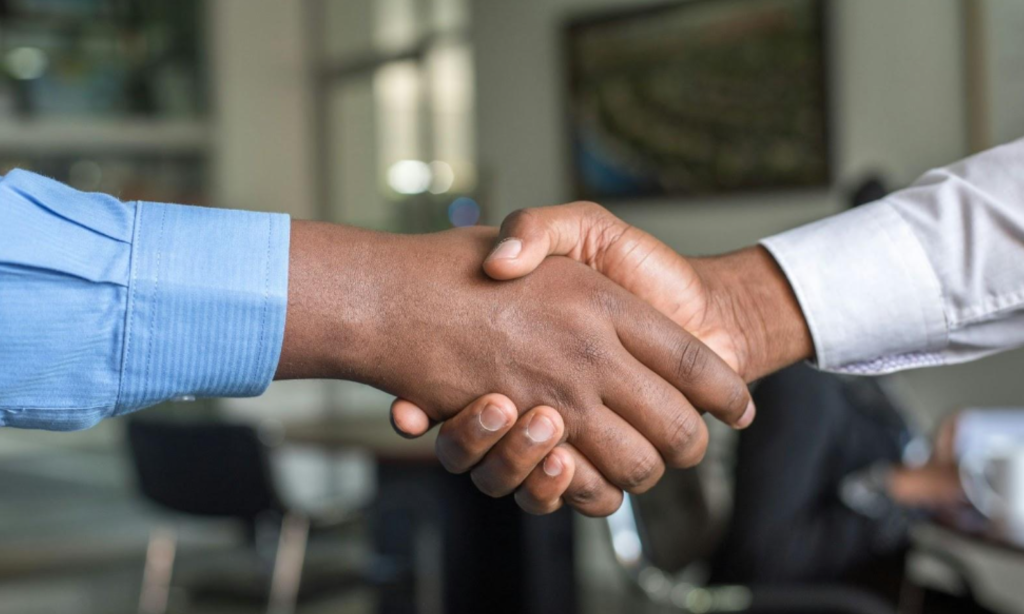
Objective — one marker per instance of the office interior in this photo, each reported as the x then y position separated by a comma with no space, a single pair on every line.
417,116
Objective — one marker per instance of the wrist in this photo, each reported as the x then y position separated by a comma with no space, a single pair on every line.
752,298
335,286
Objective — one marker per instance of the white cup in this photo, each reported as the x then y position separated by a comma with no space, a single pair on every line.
993,480
977,428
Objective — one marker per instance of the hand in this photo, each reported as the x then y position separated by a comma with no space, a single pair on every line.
504,454
412,315
936,483
740,305
943,446
930,486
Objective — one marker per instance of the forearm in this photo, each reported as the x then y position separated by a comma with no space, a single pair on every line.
383,309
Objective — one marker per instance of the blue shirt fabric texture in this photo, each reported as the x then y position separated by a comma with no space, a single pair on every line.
109,307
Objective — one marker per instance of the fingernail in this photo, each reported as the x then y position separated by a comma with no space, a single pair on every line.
541,429
507,250
552,466
492,418
747,417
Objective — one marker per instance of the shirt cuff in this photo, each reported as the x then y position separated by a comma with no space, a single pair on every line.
871,299
206,303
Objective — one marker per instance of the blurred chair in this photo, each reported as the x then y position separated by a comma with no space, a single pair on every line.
795,517
662,539
217,470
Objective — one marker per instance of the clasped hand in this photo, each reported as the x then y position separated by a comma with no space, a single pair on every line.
609,344
585,453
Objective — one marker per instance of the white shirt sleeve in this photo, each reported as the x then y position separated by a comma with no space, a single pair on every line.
930,275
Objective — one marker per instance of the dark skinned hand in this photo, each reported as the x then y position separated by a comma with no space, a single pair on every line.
414,316
740,305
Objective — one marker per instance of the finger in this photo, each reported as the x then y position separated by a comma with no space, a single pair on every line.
541,492
624,457
409,420
466,437
658,411
686,363
528,236
589,493
512,459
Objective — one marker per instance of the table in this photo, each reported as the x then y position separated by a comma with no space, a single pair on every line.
489,555
966,522
971,557
372,435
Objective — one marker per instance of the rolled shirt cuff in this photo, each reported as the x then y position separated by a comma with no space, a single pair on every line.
206,304
872,300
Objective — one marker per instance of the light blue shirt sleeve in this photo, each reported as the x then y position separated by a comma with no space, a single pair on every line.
109,307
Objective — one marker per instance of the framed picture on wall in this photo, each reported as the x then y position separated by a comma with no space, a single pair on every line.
703,97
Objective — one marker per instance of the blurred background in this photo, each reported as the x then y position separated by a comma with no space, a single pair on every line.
709,123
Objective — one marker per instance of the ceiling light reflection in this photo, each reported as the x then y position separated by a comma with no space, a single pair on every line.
410,177
442,177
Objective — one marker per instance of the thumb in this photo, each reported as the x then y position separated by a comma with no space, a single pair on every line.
528,236
409,420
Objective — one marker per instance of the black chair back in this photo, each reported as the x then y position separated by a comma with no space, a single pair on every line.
206,469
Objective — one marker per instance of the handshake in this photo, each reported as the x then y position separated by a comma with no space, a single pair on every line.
595,347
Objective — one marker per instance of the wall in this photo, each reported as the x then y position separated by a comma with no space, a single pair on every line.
887,70
263,155
1004,52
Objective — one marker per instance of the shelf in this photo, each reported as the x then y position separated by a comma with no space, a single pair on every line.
74,135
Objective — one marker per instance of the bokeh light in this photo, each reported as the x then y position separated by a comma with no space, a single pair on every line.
410,177
27,63
464,211
442,177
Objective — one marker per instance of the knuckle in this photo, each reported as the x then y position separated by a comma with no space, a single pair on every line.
571,402
519,219
604,507
488,486
608,302
531,504
736,404
449,455
692,359
591,350
585,493
697,453
642,474
687,440
583,308
591,208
